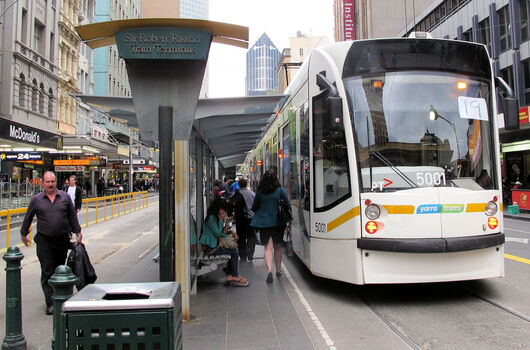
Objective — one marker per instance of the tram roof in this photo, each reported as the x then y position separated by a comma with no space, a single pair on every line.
231,127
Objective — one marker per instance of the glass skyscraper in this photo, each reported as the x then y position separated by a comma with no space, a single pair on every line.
262,61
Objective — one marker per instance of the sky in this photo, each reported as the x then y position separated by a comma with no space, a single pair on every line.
280,19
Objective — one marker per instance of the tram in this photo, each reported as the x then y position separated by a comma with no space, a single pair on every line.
389,151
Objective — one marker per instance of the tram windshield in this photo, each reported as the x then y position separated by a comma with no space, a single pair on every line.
422,129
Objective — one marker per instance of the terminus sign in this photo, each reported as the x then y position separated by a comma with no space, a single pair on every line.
163,43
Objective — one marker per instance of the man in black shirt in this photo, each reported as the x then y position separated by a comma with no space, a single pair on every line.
55,216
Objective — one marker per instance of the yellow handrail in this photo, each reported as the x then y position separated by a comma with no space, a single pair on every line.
137,196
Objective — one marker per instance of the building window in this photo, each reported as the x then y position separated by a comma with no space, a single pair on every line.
484,28
42,95
34,96
507,75
50,103
526,69
504,28
467,35
524,10
38,38
24,36
22,91
301,51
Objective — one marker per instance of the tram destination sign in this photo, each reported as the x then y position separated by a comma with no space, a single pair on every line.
163,43
20,156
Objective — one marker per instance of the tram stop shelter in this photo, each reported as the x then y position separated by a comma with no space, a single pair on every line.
165,60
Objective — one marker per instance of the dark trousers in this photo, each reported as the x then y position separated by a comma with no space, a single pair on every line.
246,243
51,253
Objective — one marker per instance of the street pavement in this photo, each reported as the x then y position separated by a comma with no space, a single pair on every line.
261,316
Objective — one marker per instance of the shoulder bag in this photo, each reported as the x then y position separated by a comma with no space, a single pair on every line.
284,214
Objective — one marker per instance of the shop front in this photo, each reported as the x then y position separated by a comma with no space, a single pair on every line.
515,157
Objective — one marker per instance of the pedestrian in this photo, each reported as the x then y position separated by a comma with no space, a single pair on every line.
88,187
265,219
75,192
242,201
215,227
225,186
56,218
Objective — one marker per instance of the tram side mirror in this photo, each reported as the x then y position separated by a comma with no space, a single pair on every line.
333,102
510,105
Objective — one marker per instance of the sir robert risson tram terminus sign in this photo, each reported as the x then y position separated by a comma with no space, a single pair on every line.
163,43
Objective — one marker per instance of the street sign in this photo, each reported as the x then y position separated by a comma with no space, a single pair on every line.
19,156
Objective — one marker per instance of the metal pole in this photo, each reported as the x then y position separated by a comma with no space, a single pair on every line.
166,199
182,222
130,161
14,339
62,282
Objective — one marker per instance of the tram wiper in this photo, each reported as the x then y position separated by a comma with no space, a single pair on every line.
393,167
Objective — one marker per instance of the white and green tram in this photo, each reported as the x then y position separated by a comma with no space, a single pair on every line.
389,151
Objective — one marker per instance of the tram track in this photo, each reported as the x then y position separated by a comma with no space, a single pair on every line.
407,339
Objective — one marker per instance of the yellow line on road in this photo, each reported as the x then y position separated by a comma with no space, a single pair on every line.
516,258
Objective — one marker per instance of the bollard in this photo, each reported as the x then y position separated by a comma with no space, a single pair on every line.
14,339
62,282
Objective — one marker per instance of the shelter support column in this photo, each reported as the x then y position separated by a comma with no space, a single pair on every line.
165,214
182,223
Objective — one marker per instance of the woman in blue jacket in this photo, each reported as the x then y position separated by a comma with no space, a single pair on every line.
265,219
214,228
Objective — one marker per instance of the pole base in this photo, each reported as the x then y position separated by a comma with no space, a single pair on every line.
14,343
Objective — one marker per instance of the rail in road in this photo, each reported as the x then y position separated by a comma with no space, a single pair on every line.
93,211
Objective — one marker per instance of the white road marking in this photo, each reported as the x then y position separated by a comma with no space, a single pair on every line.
511,229
329,342
516,239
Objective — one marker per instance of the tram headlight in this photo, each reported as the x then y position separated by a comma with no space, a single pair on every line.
491,209
372,212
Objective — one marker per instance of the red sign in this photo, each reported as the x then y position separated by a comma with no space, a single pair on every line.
388,182
348,13
522,198
523,115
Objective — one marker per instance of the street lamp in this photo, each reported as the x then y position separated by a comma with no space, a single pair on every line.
433,115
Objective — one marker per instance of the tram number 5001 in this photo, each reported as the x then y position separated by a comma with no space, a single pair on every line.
320,227
430,179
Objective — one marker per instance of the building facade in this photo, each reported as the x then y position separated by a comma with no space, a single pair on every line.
293,57
29,78
68,65
110,75
262,61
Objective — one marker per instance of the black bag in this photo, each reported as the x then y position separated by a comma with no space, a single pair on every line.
284,214
79,262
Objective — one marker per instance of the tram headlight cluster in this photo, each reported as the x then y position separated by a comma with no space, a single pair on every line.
372,212
491,208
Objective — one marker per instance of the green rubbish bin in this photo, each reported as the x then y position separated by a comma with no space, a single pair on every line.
125,316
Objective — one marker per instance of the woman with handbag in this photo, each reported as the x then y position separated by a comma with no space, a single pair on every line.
270,205
215,232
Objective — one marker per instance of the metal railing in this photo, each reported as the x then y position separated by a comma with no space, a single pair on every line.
126,203
16,194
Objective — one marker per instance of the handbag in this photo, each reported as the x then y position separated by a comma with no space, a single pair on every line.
284,214
228,243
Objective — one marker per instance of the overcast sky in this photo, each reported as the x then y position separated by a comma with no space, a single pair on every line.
280,19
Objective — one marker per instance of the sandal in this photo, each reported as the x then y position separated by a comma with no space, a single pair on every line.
237,281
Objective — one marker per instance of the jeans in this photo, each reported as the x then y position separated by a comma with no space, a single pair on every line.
51,254
233,264
247,238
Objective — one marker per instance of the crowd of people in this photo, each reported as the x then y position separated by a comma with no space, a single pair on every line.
255,214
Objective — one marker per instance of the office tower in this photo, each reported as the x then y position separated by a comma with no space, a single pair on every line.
262,61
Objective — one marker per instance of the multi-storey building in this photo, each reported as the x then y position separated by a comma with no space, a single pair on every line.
368,19
29,77
110,75
501,25
294,56
68,63
262,61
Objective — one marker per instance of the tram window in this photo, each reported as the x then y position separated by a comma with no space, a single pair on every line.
287,174
330,159
305,170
